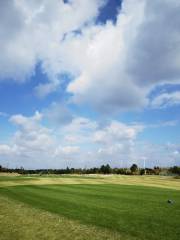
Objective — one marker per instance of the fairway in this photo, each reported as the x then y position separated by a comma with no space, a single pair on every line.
89,207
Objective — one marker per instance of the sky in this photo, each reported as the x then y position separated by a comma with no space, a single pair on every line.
85,83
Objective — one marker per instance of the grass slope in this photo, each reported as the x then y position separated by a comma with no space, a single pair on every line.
134,211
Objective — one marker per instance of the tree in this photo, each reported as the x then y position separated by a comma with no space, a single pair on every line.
106,169
142,171
175,170
157,170
134,168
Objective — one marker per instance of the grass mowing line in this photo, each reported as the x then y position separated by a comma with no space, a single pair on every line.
132,210
20,221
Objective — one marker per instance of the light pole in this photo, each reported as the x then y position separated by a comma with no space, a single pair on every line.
144,158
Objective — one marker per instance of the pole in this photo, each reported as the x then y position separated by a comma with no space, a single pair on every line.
144,166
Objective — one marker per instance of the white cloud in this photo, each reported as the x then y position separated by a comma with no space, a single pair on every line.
31,32
103,81
58,114
166,100
79,131
5,149
31,136
66,150
42,90
114,66
117,132
155,54
121,63
31,146
34,145
81,143
26,122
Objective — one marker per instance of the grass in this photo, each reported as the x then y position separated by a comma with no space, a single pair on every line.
19,221
106,206
153,181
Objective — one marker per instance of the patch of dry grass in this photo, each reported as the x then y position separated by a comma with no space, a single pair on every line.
9,174
153,181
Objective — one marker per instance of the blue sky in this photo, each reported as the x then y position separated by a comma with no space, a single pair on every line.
85,83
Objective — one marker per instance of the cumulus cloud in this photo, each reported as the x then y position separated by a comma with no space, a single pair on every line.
123,62
103,81
66,150
58,114
35,145
116,143
5,149
26,122
117,132
44,89
166,100
114,65
31,135
155,52
81,143
31,32
80,131
72,144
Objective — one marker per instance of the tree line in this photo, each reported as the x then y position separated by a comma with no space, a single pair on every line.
104,169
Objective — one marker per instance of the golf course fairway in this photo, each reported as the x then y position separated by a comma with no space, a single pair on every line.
89,207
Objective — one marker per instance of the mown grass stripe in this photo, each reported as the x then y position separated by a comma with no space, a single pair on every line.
132,210
20,221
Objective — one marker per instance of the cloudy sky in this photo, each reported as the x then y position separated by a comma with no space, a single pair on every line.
85,83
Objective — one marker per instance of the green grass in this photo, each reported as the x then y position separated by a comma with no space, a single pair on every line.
21,222
134,212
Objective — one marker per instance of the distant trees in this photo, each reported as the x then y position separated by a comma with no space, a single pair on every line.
104,169
134,169
175,170
142,171
157,170
123,171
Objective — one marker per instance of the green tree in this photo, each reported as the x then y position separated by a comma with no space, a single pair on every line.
106,169
134,168
142,171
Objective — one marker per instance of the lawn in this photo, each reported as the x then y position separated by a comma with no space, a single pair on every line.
90,207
